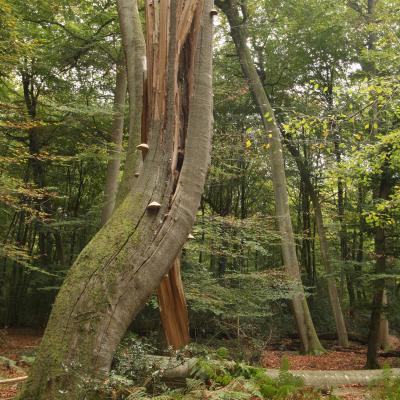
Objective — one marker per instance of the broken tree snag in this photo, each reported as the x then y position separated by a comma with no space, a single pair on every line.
173,309
171,297
125,262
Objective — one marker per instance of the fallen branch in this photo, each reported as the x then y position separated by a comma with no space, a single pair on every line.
392,353
13,380
176,370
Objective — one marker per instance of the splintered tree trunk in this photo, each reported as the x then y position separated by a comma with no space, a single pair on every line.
124,263
310,341
134,45
173,309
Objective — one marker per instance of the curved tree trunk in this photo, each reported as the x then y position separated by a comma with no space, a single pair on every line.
170,300
310,341
125,262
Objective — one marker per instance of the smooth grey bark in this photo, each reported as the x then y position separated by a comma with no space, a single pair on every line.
384,336
310,341
134,49
124,263
115,145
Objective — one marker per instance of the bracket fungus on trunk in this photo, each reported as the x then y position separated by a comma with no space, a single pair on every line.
144,147
154,206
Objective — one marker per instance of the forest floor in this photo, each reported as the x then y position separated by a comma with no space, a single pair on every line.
19,346
335,359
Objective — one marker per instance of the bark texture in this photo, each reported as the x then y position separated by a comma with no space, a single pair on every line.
302,314
125,262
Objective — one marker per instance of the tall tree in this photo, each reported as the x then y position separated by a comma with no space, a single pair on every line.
324,244
236,13
126,260
383,183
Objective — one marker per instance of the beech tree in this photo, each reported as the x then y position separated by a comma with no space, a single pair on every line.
126,260
171,297
236,14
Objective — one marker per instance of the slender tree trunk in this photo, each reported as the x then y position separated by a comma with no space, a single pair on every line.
306,233
384,340
124,263
324,247
360,247
344,247
310,341
330,270
115,145
136,66
382,192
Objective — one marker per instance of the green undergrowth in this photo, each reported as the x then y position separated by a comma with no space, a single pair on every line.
387,387
215,376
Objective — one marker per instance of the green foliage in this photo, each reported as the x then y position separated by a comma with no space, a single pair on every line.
222,352
131,362
249,382
387,387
